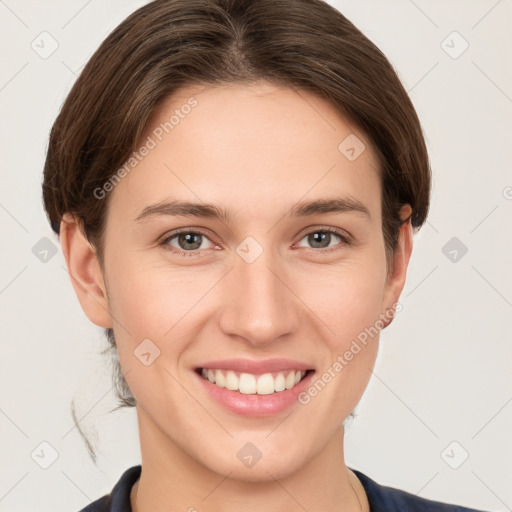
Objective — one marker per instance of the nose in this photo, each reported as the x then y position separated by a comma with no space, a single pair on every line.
259,305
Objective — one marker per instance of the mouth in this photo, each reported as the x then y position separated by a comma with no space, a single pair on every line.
254,384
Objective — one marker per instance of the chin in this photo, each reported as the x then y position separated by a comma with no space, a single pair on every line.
261,472
249,464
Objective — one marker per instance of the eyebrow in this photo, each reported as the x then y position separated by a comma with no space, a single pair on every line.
301,209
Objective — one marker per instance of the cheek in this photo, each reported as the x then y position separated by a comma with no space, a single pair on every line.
152,329
150,301
348,340
347,299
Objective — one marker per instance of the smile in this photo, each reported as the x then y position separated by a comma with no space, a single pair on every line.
250,384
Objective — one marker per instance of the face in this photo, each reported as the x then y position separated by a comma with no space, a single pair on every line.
281,267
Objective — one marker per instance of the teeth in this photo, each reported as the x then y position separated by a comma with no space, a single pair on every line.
247,384
290,380
231,381
220,379
280,382
250,384
265,385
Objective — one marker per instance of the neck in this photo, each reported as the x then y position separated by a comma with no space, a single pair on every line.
172,479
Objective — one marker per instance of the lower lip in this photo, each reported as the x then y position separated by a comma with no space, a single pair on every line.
256,405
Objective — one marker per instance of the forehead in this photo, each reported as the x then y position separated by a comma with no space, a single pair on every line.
251,147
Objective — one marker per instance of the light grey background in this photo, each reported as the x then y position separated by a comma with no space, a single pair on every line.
444,369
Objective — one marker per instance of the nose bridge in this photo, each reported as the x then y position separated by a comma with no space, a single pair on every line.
259,307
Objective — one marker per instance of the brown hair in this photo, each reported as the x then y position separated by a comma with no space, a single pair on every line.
168,44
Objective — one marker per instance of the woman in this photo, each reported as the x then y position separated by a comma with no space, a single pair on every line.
236,185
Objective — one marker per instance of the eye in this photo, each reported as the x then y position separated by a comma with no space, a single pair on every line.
185,242
191,243
322,238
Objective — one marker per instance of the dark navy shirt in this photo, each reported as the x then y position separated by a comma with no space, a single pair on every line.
381,498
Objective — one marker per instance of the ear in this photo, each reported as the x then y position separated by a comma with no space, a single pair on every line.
396,278
85,272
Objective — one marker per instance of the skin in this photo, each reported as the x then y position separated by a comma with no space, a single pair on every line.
255,150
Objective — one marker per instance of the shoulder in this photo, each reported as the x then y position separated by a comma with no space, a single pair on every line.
118,500
389,499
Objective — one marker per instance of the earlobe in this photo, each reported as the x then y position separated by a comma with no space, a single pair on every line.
396,278
85,272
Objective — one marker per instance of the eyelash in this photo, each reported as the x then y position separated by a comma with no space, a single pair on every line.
345,240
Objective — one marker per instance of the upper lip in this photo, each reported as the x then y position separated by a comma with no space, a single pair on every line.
256,367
